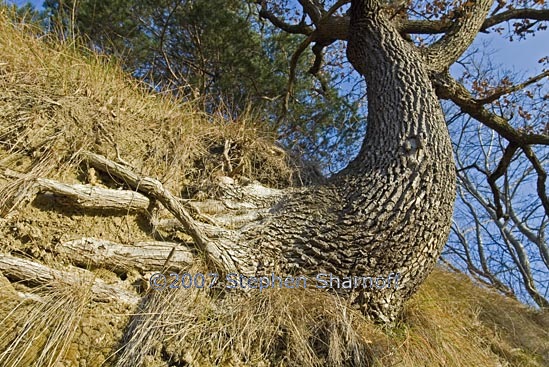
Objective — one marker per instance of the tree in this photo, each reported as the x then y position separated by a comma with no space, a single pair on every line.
217,51
390,209
458,26
507,251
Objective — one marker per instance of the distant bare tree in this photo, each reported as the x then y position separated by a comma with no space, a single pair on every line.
500,229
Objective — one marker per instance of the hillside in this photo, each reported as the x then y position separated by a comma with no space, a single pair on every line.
61,307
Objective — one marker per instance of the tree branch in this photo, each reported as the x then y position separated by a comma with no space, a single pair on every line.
503,91
500,171
314,11
442,26
300,28
535,14
336,27
542,177
515,248
486,271
449,88
443,53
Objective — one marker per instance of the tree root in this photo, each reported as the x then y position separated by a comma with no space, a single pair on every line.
223,254
119,258
35,274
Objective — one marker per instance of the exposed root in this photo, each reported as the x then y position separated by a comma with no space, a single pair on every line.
152,188
90,196
225,254
36,274
120,258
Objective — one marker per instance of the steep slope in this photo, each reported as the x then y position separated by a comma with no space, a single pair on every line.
61,308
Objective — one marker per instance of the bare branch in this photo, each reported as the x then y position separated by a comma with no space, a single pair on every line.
314,11
300,28
542,177
500,171
449,88
524,266
535,14
336,6
442,26
337,27
503,91
515,248
537,240
486,272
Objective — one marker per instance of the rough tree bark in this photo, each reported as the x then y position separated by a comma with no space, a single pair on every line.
390,209
388,212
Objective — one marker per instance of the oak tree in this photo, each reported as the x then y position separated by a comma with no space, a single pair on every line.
390,209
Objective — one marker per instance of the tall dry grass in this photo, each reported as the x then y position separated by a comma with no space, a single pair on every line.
59,99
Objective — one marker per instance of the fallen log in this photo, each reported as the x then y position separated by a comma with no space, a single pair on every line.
94,197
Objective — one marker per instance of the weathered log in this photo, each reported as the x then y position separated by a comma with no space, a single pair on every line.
120,258
84,196
35,274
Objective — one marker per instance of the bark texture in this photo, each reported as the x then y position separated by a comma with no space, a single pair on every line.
35,274
390,209
388,212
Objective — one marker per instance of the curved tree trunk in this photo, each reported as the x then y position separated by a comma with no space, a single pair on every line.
389,211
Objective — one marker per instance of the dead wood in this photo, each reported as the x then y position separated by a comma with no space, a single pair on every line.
120,258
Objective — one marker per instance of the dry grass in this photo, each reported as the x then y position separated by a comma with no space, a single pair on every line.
39,330
54,103
56,324
277,327
450,322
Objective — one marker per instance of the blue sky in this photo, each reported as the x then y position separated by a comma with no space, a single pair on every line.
522,55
